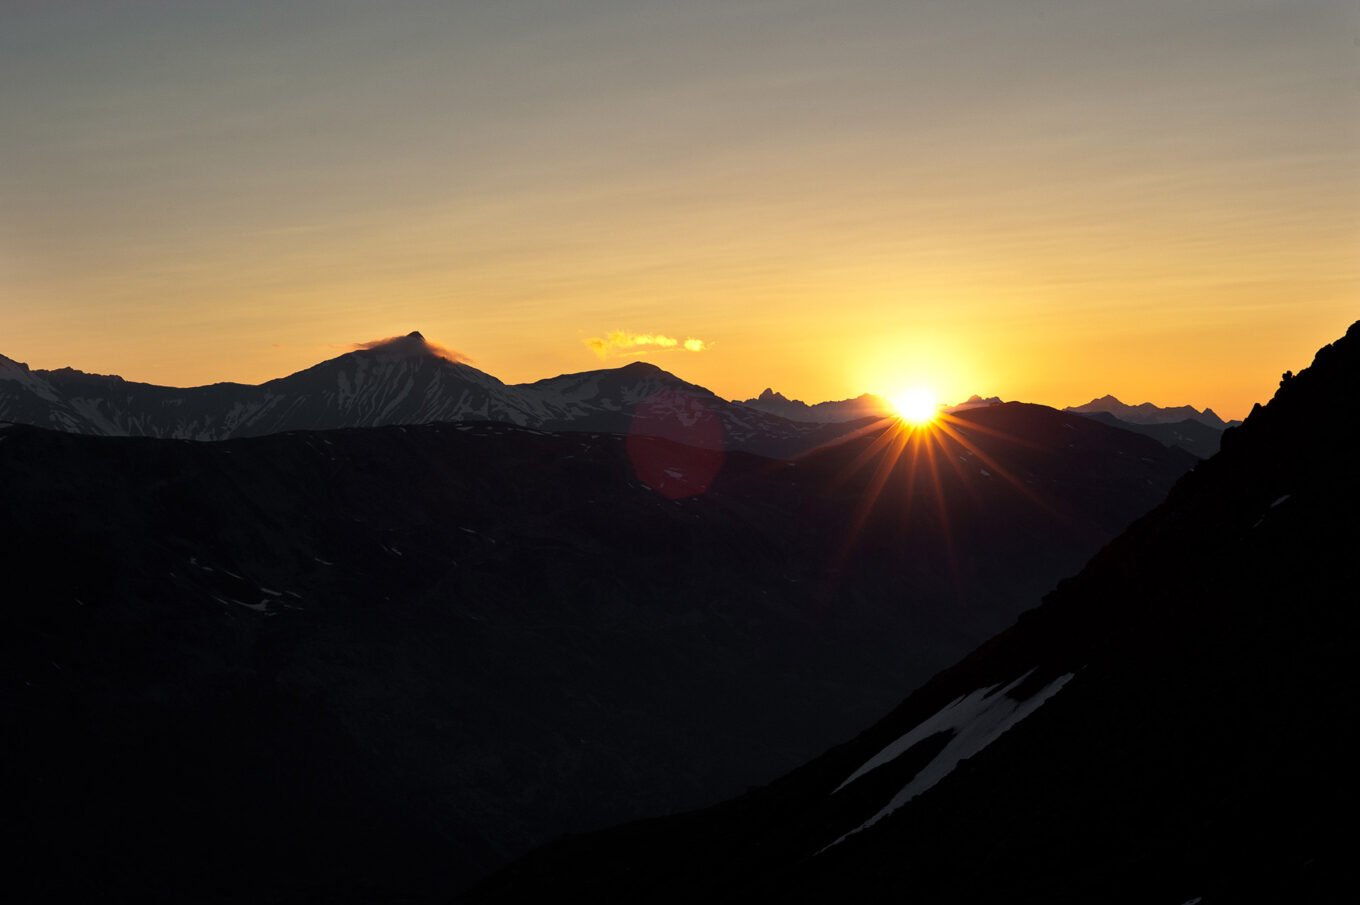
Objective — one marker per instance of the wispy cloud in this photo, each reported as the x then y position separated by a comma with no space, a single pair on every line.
413,342
623,341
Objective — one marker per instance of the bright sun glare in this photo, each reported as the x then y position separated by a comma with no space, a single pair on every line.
916,406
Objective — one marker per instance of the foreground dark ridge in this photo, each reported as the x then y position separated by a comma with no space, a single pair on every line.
1175,724
380,662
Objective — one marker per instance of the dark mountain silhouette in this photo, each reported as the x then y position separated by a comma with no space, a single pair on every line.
1147,413
376,663
974,401
405,380
1174,724
1193,436
866,405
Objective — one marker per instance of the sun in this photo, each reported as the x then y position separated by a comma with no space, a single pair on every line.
917,406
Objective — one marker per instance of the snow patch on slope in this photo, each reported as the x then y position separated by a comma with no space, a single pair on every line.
20,374
976,719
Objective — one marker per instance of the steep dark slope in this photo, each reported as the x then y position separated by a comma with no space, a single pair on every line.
383,661
1175,724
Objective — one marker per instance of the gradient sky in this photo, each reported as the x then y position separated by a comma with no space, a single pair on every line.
1041,199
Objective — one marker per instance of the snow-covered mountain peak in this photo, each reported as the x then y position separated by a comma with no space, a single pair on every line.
11,369
18,372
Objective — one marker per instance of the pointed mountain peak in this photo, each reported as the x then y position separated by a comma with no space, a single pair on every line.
640,371
641,368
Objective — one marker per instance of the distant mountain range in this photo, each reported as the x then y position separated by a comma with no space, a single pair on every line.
1175,724
1197,432
407,381
403,381
864,406
1147,413
973,402
375,663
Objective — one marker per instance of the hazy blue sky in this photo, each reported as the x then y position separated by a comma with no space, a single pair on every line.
1046,200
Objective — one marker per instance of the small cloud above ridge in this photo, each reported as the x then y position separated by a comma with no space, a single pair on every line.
623,341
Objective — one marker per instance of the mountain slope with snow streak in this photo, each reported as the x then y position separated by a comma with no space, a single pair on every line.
1175,723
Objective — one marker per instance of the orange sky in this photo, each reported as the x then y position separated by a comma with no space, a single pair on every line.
1047,201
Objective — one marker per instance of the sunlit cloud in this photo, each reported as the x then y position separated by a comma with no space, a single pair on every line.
623,341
